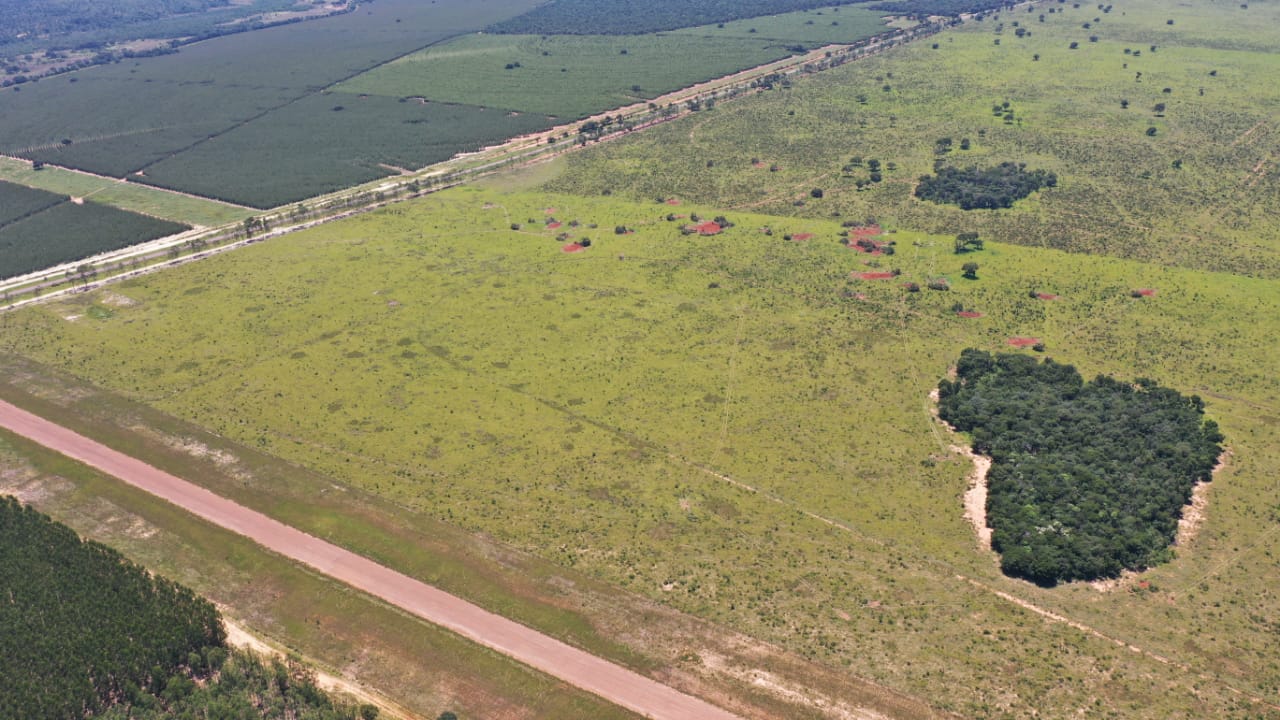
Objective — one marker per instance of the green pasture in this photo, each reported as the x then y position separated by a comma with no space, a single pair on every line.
568,76
125,196
1201,193
591,408
830,25
425,669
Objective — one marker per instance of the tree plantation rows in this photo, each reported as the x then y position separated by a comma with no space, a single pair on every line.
85,632
1087,479
81,627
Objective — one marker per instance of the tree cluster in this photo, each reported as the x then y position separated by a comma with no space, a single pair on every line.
988,188
942,8
1087,479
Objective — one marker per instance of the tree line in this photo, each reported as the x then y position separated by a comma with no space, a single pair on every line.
633,17
1087,478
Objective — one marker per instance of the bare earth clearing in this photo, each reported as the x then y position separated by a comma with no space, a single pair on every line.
588,672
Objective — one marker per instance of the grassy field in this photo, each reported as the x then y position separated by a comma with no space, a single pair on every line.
820,26
39,229
567,76
590,409
125,196
1201,193
427,670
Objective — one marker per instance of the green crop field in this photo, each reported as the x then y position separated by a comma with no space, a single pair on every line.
39,229
839,25
1202,192
126,196
157,109
568,76
592,407
328,141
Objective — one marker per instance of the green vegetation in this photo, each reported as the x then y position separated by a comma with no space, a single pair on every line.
989,189
482,377
1087,479
1119,192
565,76
841,25
40,229
17,202
138,120
134,197
82,627
624,17
426,669
332,140
946,8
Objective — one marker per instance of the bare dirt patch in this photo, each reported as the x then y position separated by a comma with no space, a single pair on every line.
1021,342
873,275
969,314
1047,296
1145,292
572,248
975,497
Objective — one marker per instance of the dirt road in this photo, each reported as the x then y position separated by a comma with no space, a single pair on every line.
588,672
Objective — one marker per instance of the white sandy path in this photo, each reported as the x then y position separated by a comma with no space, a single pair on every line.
576,667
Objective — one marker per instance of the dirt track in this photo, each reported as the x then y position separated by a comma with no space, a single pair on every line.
583,670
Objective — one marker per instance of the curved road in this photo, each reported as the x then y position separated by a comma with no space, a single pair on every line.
576,667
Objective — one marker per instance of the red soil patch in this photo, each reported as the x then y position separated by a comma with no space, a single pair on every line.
1046,296
672,201
553,226
873,275
573,248
708,228
1145,292
801,237
1023,341
757,164
970,314
549,211
865,231
860,296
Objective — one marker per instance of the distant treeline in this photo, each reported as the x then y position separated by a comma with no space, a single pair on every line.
635,17
985,189
945,8
1087,479
44,17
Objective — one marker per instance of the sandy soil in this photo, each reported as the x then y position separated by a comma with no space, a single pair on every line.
576,667
975,498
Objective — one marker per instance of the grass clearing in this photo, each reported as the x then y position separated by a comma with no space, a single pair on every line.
572,405
125,196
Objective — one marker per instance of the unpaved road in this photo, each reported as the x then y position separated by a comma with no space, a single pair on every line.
580,669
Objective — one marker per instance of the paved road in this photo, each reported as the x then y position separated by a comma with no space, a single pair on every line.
600,677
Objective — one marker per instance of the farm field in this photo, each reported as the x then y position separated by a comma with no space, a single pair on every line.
736,427
224,84
1199,193
125,196
572,76
39,229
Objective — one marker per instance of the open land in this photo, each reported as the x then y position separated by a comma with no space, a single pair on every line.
726,476
735,430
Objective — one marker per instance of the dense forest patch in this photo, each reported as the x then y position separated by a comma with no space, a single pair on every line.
626,17
987,189
1087,479
81,627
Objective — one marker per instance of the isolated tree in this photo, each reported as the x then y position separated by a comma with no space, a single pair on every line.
970,270
1151,132
816,193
